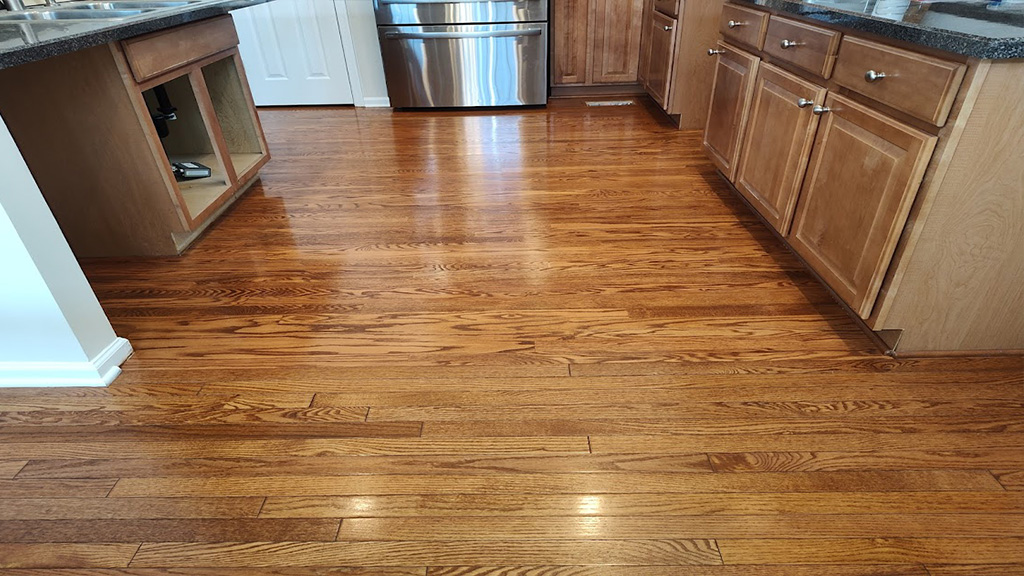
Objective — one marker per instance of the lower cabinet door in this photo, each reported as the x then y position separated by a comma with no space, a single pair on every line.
735,71
777,143
864,173
662,31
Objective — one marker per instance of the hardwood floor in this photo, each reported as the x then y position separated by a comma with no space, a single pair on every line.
536,343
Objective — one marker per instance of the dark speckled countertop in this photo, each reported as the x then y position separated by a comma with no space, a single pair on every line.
983,29
25,42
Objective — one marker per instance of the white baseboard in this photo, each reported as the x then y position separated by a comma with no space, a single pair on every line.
100,371
377,102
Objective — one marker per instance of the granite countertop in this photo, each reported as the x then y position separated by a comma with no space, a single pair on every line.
982,29
24,42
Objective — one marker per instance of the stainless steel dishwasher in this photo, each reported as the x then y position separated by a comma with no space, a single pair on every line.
454,53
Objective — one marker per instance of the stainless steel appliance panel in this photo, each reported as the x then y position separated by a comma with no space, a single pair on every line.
421,12
467,65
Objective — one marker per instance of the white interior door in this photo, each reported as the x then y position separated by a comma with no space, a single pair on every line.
293,53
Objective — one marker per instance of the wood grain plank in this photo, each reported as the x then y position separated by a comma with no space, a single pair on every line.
125,508
534,505
685,527
976,569
70,488
46,433
878,365
743,442
299,447
171,530
672,552
248,571
883,460
873,551
1010,479
593,483
787,570
66,555
10,468
355,465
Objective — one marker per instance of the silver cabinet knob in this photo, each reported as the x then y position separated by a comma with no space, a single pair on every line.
819,110
734,24
789,44
804,103
668,28
872,76
714,52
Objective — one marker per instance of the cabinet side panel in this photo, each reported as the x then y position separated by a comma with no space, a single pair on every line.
694,70
90,155
963,288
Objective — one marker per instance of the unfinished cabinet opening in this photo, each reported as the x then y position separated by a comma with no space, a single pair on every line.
185,137
237,123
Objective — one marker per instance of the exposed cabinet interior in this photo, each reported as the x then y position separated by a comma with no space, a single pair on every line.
109,179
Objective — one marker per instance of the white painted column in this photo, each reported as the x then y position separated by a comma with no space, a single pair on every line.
362,49
53,331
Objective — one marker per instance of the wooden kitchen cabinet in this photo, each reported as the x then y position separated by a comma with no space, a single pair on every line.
98,157
864,173
657,56
595,42
733,86
777,143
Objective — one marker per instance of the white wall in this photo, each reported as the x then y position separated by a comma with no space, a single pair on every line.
366,69
53,331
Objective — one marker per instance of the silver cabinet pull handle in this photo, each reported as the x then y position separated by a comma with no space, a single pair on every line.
733,24
872,76
804,103
789,44
713,52
819,110
668,28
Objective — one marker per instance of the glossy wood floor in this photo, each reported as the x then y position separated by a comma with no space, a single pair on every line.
542,343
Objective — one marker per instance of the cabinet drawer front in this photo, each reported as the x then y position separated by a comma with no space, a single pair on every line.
922,86
667,7
163,51
803,45
862,179
744,25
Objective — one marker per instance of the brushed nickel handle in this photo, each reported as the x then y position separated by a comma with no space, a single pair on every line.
789,44
668,28
872,76
819,110
734,24
713,52
804,103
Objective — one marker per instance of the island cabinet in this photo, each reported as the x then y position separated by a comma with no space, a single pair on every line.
884,169
100,129
595,42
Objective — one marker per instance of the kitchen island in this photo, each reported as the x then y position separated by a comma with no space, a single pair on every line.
882,144
103,110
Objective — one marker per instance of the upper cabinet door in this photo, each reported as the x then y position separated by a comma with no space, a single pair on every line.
569,42
293,53
863,176
662,31
777,143
730,102
617,26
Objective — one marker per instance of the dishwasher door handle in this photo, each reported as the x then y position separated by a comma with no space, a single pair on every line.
460,35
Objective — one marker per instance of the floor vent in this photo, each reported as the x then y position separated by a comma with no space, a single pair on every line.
610,103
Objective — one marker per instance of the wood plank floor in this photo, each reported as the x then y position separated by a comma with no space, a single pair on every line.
537,343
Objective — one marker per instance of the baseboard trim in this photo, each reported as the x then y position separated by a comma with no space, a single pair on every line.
376,102
100,371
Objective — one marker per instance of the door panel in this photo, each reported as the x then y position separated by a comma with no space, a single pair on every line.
863,176
293,53
662,31
735,72
569,42
617,26
777,143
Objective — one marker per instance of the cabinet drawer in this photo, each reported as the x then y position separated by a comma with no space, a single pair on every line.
744,25
922,86
667,7
803,45
154,54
